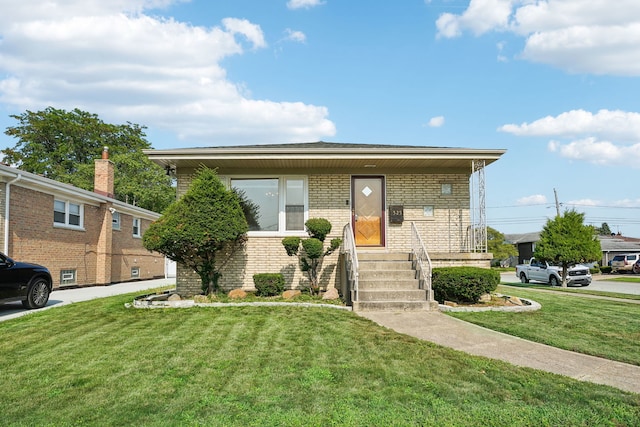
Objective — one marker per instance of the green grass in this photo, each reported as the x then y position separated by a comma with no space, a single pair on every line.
592,326
99,363
573,290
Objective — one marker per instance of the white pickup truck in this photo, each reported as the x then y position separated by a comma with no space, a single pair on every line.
541,271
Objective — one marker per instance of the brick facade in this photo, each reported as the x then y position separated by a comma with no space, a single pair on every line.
445,233
96,253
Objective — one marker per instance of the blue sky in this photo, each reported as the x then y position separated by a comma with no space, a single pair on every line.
556,83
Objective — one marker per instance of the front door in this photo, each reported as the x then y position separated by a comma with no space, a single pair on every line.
368,210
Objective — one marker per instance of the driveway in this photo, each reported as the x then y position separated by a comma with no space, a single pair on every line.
68,296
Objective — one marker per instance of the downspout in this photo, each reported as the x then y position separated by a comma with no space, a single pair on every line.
7,194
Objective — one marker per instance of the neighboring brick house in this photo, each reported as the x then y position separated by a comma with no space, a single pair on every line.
381,191
83,237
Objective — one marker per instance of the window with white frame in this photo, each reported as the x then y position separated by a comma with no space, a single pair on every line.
115,220
67,213
135,272
136,227
276,205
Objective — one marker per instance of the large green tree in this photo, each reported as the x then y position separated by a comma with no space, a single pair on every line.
500,249
566,241
202,229
63,145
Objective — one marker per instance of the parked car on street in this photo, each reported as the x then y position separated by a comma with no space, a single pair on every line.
20,281
624,262
542,271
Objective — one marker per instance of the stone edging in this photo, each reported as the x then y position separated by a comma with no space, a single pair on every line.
144,302
532,306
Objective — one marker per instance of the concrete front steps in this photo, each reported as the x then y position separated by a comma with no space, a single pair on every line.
388,282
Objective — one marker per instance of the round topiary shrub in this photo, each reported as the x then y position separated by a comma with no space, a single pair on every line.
313,248
318,228
268,284
463,285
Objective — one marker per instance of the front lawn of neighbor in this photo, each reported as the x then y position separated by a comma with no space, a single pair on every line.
573,290
99,363
597,327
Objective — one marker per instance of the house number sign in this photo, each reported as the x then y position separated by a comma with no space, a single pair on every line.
396,214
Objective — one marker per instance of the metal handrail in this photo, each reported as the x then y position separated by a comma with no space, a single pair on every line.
351,260
423,260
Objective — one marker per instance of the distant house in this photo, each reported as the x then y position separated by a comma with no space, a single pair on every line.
381,199
611,245
83,237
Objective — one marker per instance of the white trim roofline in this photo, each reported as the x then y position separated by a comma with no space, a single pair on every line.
37,182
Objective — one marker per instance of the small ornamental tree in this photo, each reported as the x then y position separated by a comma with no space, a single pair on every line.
202,229
565,241
311,252
498,247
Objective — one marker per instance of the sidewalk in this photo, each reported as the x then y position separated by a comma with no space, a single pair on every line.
460,335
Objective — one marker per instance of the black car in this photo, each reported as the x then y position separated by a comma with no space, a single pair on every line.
20,281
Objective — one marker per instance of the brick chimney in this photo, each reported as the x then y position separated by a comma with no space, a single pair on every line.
104,178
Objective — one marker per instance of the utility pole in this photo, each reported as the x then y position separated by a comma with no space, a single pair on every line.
557,204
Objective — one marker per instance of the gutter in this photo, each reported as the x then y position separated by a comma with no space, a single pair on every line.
6,212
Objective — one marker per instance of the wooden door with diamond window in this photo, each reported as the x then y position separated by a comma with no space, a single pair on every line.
368,210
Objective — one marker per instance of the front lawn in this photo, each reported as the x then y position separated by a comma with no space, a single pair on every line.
99,363
597,327
570,290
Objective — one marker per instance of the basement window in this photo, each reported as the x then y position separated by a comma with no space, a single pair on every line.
67,277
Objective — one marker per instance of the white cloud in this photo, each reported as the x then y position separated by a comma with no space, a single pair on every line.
598,152
535,199
481,16
252,32
610,124
295,36
436,122
605,138
304,4
112,59
575,35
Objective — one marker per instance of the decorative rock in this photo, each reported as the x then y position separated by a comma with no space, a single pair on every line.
450,303
291,294
237,294
331,294
174,297
485,298
201,299
515,301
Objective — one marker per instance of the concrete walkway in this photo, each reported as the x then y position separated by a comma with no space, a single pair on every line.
450,332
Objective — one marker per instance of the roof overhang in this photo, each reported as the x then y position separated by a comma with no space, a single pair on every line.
17,177
326,158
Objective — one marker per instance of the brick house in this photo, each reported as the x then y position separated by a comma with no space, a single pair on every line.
379,198
83,237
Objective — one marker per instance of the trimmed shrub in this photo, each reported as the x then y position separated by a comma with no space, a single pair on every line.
318,228
268,284
605,269
313,248
463,285
291,245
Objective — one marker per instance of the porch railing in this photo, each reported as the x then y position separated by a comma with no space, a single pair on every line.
351,260
421,257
